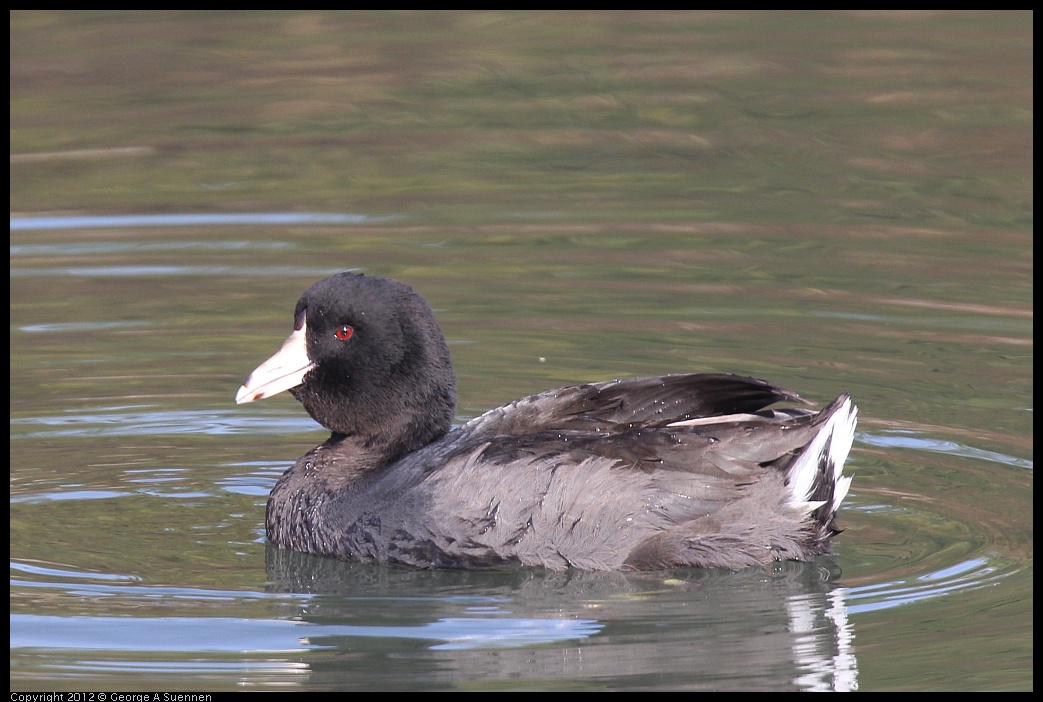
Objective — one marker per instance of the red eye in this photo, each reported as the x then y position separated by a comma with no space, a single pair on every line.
344,333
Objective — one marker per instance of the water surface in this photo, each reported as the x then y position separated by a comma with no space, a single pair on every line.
836,202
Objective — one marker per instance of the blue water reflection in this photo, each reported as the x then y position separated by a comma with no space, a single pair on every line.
193,220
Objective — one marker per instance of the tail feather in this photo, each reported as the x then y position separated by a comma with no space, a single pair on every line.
816,478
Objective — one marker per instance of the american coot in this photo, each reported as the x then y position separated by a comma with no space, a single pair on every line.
636,474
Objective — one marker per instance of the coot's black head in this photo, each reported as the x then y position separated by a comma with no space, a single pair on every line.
366,359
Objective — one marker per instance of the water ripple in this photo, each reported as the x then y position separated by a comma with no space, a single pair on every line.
114,422
906,439
969,574
193,220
